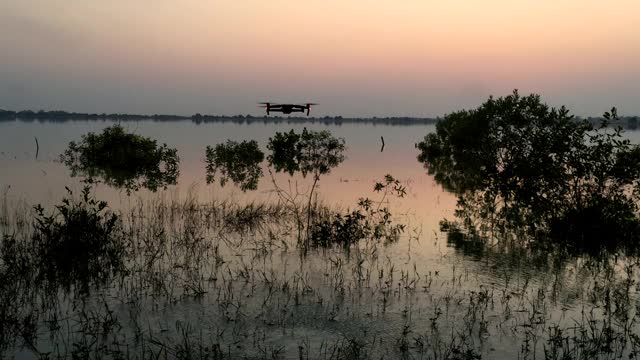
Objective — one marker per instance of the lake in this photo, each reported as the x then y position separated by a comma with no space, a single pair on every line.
198,284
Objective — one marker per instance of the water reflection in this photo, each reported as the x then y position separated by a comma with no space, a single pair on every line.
190,257
238,162
525,171
122,160
315,152
78,244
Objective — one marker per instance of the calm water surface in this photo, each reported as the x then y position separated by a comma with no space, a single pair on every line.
422,254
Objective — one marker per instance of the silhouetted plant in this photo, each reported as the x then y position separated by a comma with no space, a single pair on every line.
78,243
311,152
122,160
319,152
518,163
285,150
370,220
238,162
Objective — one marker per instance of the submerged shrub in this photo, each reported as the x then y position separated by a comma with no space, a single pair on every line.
238,162
285,150
311,152
370,220
315,152
79,243
517,163
603,224
122,160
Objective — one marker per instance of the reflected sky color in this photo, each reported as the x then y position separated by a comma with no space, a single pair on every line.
356,58
43,180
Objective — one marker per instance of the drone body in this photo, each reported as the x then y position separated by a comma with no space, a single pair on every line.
287,108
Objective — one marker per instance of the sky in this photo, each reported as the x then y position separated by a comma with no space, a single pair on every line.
354,57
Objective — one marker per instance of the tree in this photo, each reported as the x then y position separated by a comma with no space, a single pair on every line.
311,152
122,160
519,162
239,162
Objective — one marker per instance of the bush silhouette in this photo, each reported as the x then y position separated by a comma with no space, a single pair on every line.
516,162
122,160
238,162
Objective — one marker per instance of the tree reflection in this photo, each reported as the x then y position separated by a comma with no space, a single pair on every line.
309,152
537,173
238,162
122,160
315,152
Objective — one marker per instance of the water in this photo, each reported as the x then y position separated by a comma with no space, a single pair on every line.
43,179
399,298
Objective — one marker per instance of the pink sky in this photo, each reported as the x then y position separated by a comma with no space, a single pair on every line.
356,58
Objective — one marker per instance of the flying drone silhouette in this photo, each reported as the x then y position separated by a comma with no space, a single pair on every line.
286,108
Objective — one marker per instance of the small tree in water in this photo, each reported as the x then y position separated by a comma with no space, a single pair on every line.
370,220
238,162
311,152
519,163
78,243
122,160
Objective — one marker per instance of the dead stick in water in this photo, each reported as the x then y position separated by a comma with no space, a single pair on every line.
37,147
382,148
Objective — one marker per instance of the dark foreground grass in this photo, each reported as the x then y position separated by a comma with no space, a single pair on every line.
222,280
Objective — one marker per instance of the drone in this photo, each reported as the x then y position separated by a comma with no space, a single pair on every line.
287,108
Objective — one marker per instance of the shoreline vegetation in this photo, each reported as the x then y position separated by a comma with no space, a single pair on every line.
548,215
233,275
525,170
63,116
627,122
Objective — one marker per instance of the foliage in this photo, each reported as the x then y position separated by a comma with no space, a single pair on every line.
122,160
370,220
516,162
238,162
284,148
315,152
78,243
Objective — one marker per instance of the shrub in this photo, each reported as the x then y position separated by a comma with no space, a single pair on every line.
315,152
122,160
238,162
79,243
370,220
516,162
311,152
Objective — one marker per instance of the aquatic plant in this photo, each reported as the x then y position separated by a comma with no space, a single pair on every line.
122,160
284,152
237,265
311,152
238,162
518,163
221,278
370,220
79,242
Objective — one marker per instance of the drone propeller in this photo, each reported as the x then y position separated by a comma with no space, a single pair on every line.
308,105
265,105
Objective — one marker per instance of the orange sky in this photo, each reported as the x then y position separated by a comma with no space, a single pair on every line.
357,57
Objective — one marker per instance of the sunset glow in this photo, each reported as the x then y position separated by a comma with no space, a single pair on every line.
356,58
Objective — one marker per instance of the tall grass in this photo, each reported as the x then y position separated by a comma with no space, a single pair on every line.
219,279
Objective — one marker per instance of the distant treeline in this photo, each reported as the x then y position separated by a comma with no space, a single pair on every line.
62,116
628,122
57,115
